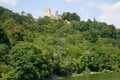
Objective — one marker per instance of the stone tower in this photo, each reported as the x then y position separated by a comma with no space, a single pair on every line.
56,16
47,12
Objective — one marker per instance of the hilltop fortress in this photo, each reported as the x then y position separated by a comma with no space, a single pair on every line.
47,12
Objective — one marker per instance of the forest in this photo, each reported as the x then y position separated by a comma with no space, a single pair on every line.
35,49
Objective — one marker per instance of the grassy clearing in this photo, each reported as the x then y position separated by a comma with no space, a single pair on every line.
98,76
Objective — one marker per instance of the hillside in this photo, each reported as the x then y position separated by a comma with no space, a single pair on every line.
35,49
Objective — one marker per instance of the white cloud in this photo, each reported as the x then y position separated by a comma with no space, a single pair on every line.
91,3
73,0
9,2
110,13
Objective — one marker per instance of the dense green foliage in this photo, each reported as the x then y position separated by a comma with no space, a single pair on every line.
70,16
34,49
27,62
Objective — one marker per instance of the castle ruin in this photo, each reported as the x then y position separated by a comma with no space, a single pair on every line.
47,12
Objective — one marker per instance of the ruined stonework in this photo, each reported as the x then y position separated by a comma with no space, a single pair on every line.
47,12
57,16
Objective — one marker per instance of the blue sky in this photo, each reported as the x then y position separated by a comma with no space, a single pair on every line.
103,10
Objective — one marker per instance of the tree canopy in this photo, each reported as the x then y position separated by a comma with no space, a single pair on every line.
35,49
70,16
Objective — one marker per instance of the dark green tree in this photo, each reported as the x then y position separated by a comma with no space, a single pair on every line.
70,16
3,37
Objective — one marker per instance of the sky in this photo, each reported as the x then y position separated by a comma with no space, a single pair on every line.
102,10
